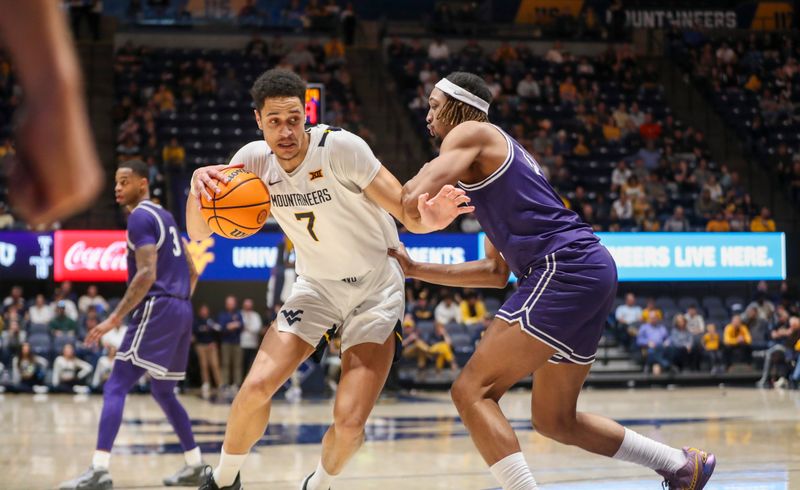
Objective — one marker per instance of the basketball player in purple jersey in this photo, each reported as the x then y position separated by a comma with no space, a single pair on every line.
552,325
161,278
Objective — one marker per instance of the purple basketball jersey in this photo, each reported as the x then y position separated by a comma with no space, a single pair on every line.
521,213
151,224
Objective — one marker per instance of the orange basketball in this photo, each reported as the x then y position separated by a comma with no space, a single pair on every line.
241,206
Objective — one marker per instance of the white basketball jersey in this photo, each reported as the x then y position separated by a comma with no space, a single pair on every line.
337,232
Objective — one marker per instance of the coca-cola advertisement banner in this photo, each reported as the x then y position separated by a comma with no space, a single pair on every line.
82,255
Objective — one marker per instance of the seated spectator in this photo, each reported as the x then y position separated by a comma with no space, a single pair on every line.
650,130
764,307
472,308
757,326
173,155
623,207
40,313
782,339
447,311
61,324
652,313
695,323
422,310
718,223
102,370
438,50
629,317
527,88
69,371
554,54
652,340
706,208
413,345
677,222
92,298
712,350
763,222
15,298
620,175
441,347
164,99
684,350
12,338
737,342
611,132
651,222
27,369
63,295
581,149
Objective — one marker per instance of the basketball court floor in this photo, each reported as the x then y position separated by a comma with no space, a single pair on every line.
414,442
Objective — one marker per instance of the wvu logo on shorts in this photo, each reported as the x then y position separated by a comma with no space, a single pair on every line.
292,316
315,174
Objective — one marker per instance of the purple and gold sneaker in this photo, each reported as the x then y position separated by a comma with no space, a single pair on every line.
695,473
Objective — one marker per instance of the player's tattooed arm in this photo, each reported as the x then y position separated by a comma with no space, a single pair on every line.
460,149
137,289
490,272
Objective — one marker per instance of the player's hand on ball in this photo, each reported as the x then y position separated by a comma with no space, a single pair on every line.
107,325
406,262
205,179
446,206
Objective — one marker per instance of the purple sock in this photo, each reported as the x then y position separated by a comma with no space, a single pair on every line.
164,393
123,377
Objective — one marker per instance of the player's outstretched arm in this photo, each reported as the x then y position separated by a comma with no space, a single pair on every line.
386,191
141,283
56,171
460,149
491,272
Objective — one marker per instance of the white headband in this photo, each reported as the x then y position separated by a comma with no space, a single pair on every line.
464,96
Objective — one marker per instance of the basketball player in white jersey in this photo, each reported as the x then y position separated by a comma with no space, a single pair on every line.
330,195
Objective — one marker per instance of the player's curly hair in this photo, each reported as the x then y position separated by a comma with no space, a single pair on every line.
454,112
277,83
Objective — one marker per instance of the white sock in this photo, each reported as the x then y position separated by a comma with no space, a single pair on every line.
193,457
228,467
101,459
320,480
513,473
638,449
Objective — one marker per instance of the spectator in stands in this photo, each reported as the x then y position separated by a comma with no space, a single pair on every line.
527,88
441,347
677,222
27,369
695,324
718,223
230,321
69,371
611,132
102,370
447,311
763,222
256,47
438,50
652,313
205,332
41,313
623,208
421,309
620,176
6,218
61,324
173,155
737,342
705,207
763,306
251,333
472,308
92,298
554,54
652,340
164,99
15,297
650,130
711,347
12,338
782,341
683,350
335,52
629,317
413,345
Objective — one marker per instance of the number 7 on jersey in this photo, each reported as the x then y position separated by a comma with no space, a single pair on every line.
311,218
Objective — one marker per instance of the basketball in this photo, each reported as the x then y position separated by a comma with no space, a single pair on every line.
241,206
